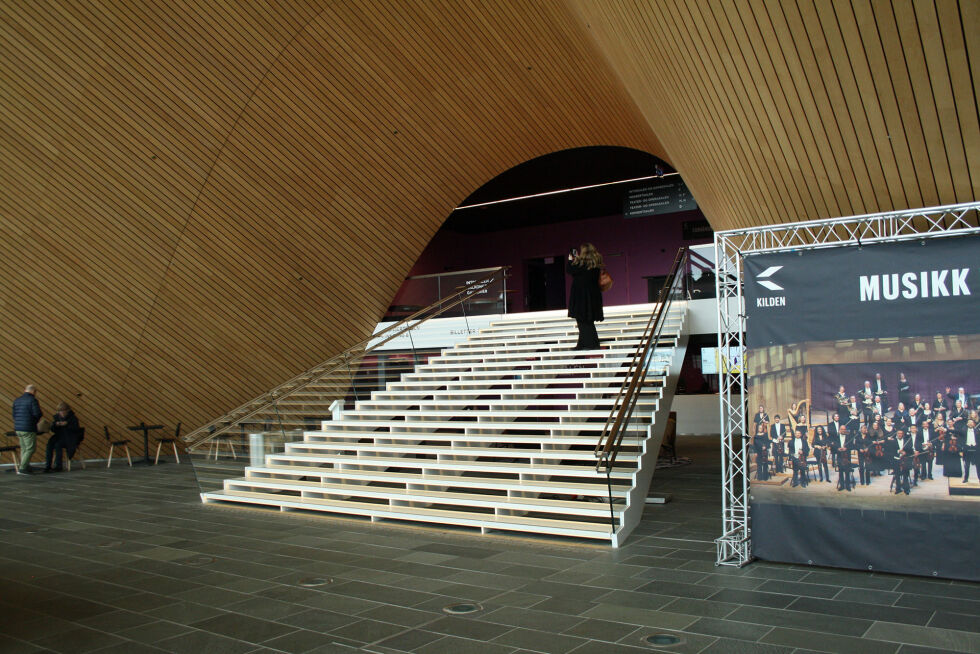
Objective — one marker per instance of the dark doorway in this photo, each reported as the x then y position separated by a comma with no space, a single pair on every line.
545,285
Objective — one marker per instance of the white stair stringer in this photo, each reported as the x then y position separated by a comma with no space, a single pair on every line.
637,494
495,433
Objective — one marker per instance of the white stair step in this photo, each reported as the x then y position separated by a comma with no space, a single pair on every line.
433,464
482,500
494,452
472,415
634,330
597,487
322,436
540,376
421,405
415,514
521,394
335,426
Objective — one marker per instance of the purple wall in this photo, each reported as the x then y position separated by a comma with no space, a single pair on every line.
632,248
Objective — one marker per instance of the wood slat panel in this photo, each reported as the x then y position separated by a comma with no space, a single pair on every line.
200,199
814,109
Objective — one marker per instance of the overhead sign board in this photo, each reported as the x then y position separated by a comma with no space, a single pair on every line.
657,198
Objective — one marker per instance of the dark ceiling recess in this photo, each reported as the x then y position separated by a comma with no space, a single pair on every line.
553,172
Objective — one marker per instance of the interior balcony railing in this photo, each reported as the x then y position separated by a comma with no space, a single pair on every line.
638,379
420,290
223,447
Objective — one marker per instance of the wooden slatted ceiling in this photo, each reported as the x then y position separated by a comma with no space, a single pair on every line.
200,199
801,109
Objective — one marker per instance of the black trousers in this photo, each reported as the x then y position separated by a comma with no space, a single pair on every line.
588,337
823,469
864,471
970,458
56,445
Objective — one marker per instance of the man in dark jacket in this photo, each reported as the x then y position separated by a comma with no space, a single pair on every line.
26,412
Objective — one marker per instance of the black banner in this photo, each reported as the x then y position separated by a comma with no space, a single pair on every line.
914,288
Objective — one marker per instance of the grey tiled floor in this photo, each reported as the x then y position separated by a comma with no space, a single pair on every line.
129,561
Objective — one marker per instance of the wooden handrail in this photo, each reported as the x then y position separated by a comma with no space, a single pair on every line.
610,441
350,356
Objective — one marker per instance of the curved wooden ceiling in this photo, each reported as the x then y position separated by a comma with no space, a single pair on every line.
200,199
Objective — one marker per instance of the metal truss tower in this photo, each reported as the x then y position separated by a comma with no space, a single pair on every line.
734,546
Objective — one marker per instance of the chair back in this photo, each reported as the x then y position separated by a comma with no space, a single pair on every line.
106,428
177,431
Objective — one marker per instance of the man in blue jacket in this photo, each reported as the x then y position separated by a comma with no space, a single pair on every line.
27,412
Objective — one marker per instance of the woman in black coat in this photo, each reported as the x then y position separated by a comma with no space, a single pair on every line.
64,437
585,298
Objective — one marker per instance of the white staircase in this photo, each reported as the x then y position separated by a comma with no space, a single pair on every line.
496,433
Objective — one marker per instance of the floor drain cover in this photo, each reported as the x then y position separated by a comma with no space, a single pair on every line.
199,560
662,639
311,582
462,608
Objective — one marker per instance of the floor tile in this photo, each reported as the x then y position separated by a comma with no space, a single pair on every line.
948,639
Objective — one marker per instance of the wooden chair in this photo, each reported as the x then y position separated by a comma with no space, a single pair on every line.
81,437
12,449
215,447
113,444
172,441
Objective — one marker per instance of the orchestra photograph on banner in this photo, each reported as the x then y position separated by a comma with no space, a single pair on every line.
868,431
862,393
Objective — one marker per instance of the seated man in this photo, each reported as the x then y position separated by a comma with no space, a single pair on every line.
64,437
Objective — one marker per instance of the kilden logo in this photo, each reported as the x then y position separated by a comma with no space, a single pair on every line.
768,272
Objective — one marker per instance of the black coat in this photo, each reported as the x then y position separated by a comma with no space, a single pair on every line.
26,412
585,298
67,433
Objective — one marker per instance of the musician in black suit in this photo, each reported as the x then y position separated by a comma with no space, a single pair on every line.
842,404
760,444
867,397
878,386
799,450
914,418
939,405
843,445
821,443
888,434
901,415
969,437
777,440
913,435
863,446
877,450
761,416
904,389
901,453
940,438
956,416
925,448
833,428
960,395
854,414
878,408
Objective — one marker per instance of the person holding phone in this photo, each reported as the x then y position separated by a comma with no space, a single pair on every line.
585,298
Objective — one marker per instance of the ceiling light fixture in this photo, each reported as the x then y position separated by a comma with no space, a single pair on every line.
564,190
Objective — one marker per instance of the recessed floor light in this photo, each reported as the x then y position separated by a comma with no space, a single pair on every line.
462,608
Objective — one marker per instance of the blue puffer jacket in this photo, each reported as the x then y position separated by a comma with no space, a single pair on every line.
27,412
